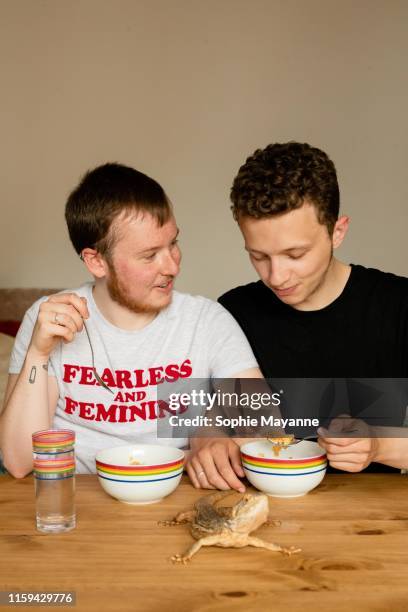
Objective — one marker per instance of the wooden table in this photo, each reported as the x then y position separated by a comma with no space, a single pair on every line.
353,531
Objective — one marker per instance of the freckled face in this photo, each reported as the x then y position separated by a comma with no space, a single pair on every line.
291,253
144,263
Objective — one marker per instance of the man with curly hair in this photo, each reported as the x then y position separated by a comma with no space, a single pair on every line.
311,315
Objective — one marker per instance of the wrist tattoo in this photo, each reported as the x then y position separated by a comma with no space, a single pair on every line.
33,373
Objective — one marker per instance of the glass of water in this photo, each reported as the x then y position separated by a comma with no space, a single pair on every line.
54,477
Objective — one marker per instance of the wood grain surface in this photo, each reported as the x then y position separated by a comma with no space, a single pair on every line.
353,531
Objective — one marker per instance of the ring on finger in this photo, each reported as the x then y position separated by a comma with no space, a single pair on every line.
200,473
56,320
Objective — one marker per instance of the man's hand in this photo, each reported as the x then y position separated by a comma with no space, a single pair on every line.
350,444
59,318
214,463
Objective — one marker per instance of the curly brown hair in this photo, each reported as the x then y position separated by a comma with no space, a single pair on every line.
281,177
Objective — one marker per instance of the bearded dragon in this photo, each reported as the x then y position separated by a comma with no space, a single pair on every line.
226,526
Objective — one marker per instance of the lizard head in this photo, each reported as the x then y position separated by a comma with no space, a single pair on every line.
250,512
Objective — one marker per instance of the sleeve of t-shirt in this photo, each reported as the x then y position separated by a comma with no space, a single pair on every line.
229,350
23,339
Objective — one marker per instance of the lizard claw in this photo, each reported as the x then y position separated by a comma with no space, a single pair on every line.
291,551
179,559
172,523
272,523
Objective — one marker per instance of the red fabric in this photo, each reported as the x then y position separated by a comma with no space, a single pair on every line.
9,327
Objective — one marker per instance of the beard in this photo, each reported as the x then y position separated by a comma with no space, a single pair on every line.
119,294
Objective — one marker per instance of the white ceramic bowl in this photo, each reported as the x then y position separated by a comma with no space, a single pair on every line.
296,471
141,473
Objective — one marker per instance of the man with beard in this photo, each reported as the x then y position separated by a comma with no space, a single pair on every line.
142,332
311,315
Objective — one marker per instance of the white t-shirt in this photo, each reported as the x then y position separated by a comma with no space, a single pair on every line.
193,337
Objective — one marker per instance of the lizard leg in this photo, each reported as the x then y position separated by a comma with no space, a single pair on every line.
182,517
208,541
252,541
272,523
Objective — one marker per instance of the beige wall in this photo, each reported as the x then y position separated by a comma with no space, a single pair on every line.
184,90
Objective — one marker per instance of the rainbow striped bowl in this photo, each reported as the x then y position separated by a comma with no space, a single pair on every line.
296,471
140,474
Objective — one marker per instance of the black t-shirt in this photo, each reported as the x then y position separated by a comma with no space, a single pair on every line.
361,334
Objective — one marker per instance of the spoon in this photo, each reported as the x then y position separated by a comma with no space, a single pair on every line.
291,440
98,378
287,440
